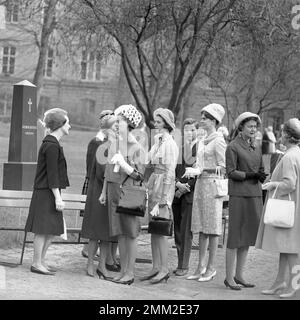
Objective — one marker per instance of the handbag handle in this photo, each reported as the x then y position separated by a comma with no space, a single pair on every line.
218,172
276,191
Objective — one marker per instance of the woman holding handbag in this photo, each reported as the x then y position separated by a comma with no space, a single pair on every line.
45,218
161,184
244,167
207,206
125,166
285,181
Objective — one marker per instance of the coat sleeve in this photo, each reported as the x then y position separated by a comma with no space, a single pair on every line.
170,159
231,165
52,155
289,177
220,149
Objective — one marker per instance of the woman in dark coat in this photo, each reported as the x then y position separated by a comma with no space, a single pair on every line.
245,171
45,218
95,219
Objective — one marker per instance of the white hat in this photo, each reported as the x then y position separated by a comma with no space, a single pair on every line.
244,116
215,110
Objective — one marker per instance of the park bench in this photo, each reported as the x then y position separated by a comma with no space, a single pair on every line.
21,199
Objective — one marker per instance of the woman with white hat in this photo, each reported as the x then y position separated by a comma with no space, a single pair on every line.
161,184
207,208
125,164
245,172
285,183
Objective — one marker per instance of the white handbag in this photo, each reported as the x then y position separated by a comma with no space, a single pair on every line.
221,185
280,213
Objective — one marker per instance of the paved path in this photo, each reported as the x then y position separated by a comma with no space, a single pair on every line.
71,282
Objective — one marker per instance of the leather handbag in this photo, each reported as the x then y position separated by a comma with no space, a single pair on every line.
133,199
279,213
221,185
84,192
160,226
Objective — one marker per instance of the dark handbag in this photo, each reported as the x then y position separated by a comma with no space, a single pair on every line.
84,192
160,226
133,199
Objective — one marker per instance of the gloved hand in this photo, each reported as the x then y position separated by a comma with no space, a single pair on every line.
252,175
262,177
118,159
191,172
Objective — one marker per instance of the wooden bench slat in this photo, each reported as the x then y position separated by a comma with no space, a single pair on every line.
25,203
16,194
15,203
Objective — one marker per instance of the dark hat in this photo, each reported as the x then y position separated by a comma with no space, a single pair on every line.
55,118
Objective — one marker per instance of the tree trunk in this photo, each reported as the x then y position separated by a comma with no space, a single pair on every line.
47,29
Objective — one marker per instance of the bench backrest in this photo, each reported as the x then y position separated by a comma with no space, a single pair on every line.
21,199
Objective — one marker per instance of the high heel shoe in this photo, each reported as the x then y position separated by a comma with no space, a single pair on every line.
128,282
230,286
208,278
102,276
165,277
274,290
148,277
287,295
196,276
244,284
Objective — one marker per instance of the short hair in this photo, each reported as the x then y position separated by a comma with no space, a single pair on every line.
191,121
292,136
55,118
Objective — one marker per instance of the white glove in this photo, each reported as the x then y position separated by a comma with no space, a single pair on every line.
191,172
118,159
155,211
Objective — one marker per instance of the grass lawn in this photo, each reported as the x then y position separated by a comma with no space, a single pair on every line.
74,145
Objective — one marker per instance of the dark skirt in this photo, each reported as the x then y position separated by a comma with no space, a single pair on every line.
95,224
244,218
43,218
120,224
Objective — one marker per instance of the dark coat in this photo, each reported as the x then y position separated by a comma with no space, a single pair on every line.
95,224
242,158
51,171
180,170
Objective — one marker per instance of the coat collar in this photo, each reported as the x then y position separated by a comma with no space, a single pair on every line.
50,138
242,142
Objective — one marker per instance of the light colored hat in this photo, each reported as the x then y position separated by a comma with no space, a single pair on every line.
245,115
215,110
293,126
167,115
131,113
105,113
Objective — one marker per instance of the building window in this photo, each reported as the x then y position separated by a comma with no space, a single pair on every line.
8,60
91,106
5,104
49,63
90,66
12,11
